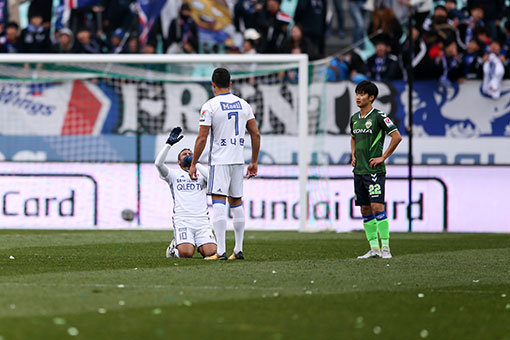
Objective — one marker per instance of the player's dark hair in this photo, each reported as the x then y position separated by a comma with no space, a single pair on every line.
179,155
221,77
367,87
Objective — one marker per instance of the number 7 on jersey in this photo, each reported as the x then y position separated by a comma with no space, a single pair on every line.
235,114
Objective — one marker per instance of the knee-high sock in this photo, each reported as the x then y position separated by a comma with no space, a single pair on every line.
370,225
384,228
220,224
238,217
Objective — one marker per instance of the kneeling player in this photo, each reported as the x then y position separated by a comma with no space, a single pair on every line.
190,217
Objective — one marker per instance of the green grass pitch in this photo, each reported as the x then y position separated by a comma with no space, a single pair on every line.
118,284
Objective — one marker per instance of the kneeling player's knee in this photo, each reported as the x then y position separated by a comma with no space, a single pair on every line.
186,253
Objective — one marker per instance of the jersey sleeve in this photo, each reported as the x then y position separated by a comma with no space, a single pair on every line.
206,114
387,124
350,125
249,112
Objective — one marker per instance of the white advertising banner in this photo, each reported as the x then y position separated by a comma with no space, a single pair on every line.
85,195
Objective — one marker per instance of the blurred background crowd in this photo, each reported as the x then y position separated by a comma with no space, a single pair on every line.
452,40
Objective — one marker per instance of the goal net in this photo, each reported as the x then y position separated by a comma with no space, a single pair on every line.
120,108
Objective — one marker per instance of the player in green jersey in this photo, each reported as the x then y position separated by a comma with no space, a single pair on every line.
369,126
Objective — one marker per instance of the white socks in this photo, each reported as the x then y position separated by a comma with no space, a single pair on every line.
238,219
220,225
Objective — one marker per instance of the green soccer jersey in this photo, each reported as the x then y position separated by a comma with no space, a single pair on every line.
368,133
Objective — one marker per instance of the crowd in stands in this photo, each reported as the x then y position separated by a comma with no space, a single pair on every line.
452,40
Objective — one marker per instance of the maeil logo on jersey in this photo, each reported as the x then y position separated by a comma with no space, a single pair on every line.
231,106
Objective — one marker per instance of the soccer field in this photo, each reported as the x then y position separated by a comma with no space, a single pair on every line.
118,284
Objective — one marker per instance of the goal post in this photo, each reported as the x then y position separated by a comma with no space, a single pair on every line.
41,70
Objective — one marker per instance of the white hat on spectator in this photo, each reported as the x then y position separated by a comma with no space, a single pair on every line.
251,34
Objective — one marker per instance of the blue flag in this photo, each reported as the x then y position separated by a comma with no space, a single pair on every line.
148,12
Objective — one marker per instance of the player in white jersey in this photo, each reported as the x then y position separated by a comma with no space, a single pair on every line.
227,117
190,216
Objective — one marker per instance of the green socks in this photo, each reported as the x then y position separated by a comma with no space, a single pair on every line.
370,225
384,228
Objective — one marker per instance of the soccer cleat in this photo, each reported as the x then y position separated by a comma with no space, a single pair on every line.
371,254
216,257
170,251
238,256
385,253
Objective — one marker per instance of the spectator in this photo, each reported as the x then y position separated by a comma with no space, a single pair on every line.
423,65
493,71
298,43
482,37
348,67
44,8
132,44
86,43
339,10
118,41
493,10
245,14
473,60
506,39
251,40
117,14
383,66
35,38
356,11
10,43
272,25
440,26
384,19
311,15
451,65
454,14
65,42
183,33
468,27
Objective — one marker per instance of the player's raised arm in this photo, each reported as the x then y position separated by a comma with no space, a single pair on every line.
200,143
253,130
173,138
203,171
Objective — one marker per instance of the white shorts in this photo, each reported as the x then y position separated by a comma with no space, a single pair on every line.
183,233
226,180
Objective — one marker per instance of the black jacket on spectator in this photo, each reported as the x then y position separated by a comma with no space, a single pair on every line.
245,14
35,40
273,30
383,69
451,68
183,30
311,15
473,65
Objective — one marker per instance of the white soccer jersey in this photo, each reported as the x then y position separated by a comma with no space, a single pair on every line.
190,199
227,115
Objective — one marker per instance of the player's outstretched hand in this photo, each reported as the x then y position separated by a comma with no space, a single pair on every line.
252,170
374,162
175,136
193,172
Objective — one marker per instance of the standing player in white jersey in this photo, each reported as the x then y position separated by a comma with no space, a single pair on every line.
228,117
190,216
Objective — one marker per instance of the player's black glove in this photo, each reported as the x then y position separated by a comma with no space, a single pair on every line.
174,136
